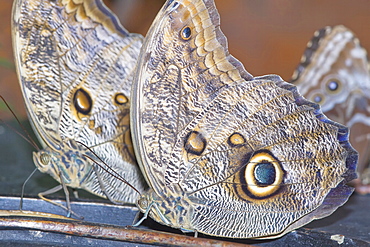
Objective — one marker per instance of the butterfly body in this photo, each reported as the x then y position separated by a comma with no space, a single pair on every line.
75,64
225,153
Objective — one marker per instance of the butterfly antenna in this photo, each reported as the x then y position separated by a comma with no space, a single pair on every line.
23,187
107,168
26,137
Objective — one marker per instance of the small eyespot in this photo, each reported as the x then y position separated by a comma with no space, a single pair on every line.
82,101
236,139
333,85
318,98
120,99
195,143
185,33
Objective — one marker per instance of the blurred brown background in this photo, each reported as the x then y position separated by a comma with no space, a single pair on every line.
267,36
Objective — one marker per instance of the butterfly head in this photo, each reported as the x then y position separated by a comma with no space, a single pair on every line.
143,202
44,161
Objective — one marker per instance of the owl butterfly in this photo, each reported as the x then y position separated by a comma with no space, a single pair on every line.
225,153
334,72
75,65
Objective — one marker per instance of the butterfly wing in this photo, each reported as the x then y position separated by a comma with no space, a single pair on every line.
334,72
225,153
75,64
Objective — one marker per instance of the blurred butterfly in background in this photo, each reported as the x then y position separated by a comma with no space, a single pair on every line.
75,64
334,72
225,153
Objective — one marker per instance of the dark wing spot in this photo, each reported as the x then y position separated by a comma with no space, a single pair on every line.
195,143
185,33
170,2
236,139
82,101
120,99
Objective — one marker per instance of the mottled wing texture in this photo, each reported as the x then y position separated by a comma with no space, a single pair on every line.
334,72
75,64
202,120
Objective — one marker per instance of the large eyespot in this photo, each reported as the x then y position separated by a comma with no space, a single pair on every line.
195,143
263,175
333,85
185,33
120,99
82,101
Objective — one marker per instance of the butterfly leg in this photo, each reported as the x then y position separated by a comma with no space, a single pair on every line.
75,193
48,192
56,189
155,205
51,191
23,187
188,231
136,219
138,223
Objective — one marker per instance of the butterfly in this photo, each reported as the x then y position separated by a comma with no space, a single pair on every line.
334,72
225,153
75,64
